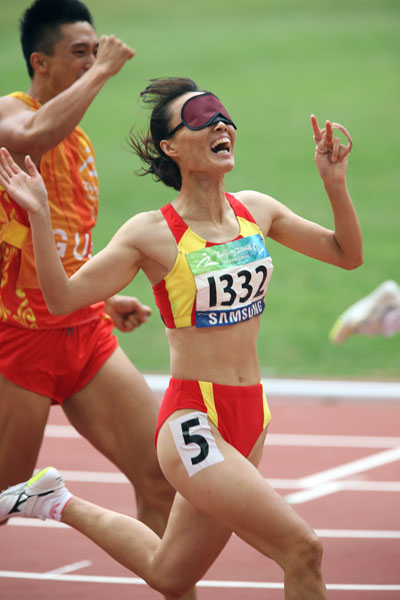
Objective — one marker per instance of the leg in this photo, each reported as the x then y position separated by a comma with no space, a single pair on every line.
217,501
227,489
191,543
117,412
165,565
23,417
218,498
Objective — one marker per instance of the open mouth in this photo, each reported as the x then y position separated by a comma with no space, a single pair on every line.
221,146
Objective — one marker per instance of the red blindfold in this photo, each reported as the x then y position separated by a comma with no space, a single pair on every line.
200,111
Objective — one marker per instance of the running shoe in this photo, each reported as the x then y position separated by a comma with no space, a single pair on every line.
43,496
366,316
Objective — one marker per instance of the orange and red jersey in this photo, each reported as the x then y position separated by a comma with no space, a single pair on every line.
69,173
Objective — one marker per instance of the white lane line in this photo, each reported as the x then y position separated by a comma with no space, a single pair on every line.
315,492
325,483
278,439
277,483
27,522
297,484
356,466
82,564
303,387
332,487
371,486
347,485
94,476
61,431
324,533
368,534
203,583
328,441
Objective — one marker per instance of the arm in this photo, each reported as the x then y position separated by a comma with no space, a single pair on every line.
97,279
24,131
343,246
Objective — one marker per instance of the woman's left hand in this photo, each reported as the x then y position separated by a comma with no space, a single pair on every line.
331,155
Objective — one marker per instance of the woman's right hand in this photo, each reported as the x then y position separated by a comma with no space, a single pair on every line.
330,154
27,189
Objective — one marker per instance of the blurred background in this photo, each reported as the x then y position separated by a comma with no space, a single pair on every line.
273,63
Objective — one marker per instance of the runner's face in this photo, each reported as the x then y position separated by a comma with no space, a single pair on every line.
73,55
206,150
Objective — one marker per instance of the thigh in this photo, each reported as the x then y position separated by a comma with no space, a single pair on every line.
234,493
117,412
23,417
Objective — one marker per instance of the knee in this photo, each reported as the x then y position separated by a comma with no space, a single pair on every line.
306,555
168,579
169,586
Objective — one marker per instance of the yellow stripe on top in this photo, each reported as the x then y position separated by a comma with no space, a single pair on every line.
207,391
182,292
247,228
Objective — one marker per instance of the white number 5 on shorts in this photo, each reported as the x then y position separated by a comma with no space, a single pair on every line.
195,442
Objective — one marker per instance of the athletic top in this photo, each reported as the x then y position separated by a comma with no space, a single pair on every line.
214,284
69,173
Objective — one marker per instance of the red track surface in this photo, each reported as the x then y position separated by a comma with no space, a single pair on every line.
354,509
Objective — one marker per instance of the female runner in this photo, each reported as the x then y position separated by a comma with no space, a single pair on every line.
204,255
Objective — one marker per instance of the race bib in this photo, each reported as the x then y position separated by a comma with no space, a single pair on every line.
231,281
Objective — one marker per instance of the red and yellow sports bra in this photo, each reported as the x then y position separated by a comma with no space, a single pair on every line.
214,284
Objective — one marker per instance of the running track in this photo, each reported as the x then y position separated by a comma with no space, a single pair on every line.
333,451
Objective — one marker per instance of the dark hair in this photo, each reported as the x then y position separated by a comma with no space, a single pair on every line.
159,93
40,24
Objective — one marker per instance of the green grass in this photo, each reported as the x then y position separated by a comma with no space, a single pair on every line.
273,63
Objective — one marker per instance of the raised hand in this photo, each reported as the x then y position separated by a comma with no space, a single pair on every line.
330,154
27,189
112,53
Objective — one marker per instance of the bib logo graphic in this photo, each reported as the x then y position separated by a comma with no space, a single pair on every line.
206,261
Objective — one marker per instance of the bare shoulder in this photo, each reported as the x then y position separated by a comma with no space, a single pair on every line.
14,115
146,222
11,106
253,198
141,224
147,231
262,207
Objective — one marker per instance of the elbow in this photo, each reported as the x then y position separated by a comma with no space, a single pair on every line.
57,309
353,263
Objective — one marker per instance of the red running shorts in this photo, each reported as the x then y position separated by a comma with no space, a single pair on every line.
59,362
240,413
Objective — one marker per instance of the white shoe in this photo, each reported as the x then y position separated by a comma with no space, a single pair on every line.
366,316
43,496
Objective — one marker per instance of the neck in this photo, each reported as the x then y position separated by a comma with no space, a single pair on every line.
39,92
202,197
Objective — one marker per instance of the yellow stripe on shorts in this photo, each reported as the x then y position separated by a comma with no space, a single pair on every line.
267,412
207,392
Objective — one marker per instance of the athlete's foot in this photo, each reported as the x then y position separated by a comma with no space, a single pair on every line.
367,315
43,496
